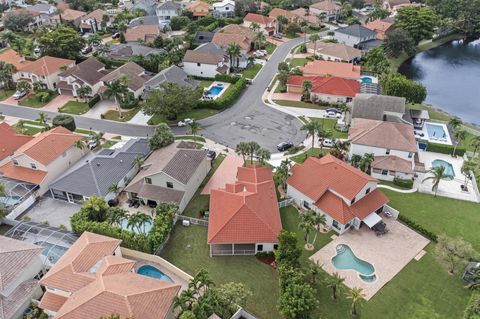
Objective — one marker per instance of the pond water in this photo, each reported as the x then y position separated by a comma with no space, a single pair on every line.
451,74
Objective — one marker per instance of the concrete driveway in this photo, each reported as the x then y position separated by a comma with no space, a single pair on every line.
58,102
100,108
54,211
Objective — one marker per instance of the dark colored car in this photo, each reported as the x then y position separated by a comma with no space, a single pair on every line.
116,35
284,146
211,154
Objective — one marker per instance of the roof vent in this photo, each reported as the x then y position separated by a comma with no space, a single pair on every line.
121,161
98,164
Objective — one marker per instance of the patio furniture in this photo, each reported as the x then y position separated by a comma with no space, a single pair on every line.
388,214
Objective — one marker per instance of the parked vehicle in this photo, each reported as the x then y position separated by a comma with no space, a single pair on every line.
185,122
211,154
333,115
86,50
116,35
278,36
37,51
19,94
332,109
284,146
92,144
327,142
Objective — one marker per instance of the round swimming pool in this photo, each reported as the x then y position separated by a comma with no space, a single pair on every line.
150,271
448,167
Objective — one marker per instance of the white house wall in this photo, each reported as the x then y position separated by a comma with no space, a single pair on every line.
359,149
202,70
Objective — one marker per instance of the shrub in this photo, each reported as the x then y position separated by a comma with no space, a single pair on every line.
94,100
227,98
445,149
129,101
226,78
473,307
417,227
66,121
404,183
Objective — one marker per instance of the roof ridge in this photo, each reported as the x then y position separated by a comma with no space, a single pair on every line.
94,179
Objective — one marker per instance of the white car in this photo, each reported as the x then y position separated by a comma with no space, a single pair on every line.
92,144
260,53
185,122
327,142
19,94
333,115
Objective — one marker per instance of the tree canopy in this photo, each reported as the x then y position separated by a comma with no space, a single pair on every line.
162,137
61,42
375,61
461,15
419,22
398,85
399,41
18,20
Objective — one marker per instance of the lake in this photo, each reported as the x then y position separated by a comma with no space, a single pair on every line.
451,74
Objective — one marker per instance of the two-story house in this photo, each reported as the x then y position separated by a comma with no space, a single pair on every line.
267,25
170,174
328,10
20,264
291,16
136,78
86,74
41,13
69,15
11,141
92,280
329,89
355,35
45,70
42,159
224,9
97,20
166,11
198,8
207,60
347,197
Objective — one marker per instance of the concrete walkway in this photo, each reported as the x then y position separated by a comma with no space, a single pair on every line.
140,118
404,191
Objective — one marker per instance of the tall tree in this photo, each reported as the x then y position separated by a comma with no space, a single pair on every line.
453,253
396,84
306,88
138,161
366,163
467,169
194,129
335,282
62,42
281,173
460,136
242,149
419,22
356,295
6,73
311,129
263,155
314,38
475,143
259,40
18,20
455,123
399,41
84,92
117,88
437,174
162,137
43,120
253,148
375,61
307,225
234,52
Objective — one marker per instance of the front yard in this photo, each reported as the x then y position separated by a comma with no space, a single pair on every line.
74,107
252,71
298,62
4,94
34,101
113,115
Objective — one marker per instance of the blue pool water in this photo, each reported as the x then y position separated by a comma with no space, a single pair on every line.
153,272
215,90
147,226
52,252
9,200
346,260
436,131
366,79
448,167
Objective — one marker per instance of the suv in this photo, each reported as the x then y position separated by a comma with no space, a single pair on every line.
185,122
19,94
327,142
284,146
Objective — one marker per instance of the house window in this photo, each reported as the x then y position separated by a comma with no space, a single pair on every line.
148,180
384,172
198,64
259,247
387,151
33,165
15,162
306,204
367,191
353,201
335,224
227,8
410,155
275,247
169,184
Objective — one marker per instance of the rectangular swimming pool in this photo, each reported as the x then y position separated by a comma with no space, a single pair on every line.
437,132
216,90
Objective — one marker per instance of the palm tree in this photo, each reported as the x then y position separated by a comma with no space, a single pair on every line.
8,36
117,88
143,220
339,149
116,216
234,53
459,135
84,91
335,283
138,161
307,224
281,174
455,122
282,22
314,269
253,148
356,294
355,160
475,143
114,188
259,40
313,39
467,169
97,137
80,144
201,281
438,174
366,162
243,150
103,49
311,128
322,135
133,222
318,220
194,128
255,26
23,86
306,89
20,127
42,120
6,72
344,108
263,155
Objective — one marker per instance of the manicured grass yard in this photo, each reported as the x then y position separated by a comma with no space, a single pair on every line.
4,94
298,62
329,124
298,104
190,138
75,107
270,48
30,130
108,144
252,71
300,158
33,101
205,83
113,115
196,114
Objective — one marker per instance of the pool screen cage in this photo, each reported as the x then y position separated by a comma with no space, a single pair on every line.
51,238
15,192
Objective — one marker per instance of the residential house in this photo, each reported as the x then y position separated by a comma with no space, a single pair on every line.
392,143
267,25
305,15
143,20
96,172
224,9
97,20
87,74
207,60
198,8
20,268
289,15
41,13
347,197
331,68
244,217
326,89
167,10
136,78
335,52
327,9
235,34
69,15
202,37
45,70
170,174
142,33
381,27
172,74
11,141
356,36
42,159
149,6
394,5
126,51
11,57
378,107
92,280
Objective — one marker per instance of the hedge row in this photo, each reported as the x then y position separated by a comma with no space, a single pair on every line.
419,228
232,93
405,183
445,149
94,100
219,77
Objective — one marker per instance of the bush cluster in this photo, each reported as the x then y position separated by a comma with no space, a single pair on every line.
67,121
445,149
94,100
417,227
405,183
227,98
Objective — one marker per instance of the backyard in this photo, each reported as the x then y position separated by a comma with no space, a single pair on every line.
74,107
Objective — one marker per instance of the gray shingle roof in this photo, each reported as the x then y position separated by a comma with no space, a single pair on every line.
203,37
146,20
95,173
373,107
124,51
88,71
184,164
134,72
147,5
172,74
169,5
356,30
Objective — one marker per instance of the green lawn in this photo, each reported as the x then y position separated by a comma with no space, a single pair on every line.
74,107
300,158
301,104
329,124
196,114
298,62
205,83
188,250
82,131
30,130
190,138
200,203
252,71
33,101
108,144
113,115
4,94
434,114
270,48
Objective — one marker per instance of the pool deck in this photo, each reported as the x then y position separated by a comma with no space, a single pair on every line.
215,83
389,253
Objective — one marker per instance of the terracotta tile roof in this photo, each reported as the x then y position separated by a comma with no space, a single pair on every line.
247,211
70,15
388,135
52,301
96,15
303,13
13,58
327,85
238,29
11,140
331,68
144,33
199,8
26,174
258,18
326,6
393,163
276,12
225,39
45,66
71,272
379,26
49,145
317,175
368,204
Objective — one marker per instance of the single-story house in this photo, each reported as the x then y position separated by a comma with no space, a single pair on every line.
346,196
125,51
95,173
331,68
207,60
244,216
327,89
170,174
11,141
92,280
136,78
268,25
20,268
88,73
355,35
198,8
172,74
335,52
328,9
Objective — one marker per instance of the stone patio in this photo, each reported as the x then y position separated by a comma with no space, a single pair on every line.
389,254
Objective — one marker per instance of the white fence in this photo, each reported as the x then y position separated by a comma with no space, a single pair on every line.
194,221
23,206
285,202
